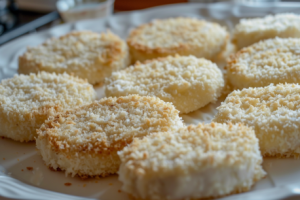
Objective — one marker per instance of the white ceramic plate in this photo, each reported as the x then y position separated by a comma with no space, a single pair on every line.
18,182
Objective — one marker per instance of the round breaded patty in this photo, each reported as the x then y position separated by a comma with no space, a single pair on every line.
188,82
250,31
183,36
86,54
273,112
194,162
85,141
26,101
270,61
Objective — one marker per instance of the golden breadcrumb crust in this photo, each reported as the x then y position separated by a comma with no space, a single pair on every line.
94,133
270,61
273,112
86,54
250,31
26,101
183,36
153,166
182,80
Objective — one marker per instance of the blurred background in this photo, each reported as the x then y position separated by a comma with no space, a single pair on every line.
19,17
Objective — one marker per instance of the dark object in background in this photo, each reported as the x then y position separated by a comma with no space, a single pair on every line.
15,22
126,5
8,18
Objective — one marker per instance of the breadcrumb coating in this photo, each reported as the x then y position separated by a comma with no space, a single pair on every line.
193,162
183,36
250,31
182,80
89,137
273,112
26,101
270,61
86,54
